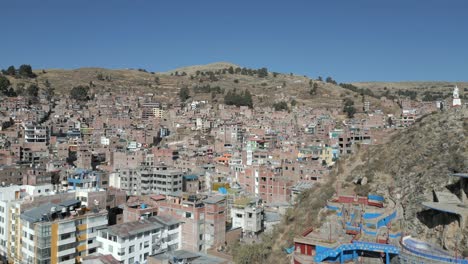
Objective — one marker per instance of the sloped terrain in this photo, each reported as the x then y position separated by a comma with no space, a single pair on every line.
407,169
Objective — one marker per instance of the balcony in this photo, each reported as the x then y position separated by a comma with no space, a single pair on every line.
66,252
66,241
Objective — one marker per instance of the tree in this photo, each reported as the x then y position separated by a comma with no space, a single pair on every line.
231,70
280,106
156,80
32,90
20,89
293,102
238,99
313,91
262,72
330,80
25,70
80,93
320,79
49,90
349,108
4,84
11,71
184,94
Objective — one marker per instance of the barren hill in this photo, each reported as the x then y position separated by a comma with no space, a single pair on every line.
408,168
266,90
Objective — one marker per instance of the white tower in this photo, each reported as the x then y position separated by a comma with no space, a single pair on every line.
456,97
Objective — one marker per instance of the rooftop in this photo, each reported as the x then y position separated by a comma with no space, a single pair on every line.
214,199
125,230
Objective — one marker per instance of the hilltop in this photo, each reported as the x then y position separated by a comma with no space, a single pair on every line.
203,82
408,168
420,90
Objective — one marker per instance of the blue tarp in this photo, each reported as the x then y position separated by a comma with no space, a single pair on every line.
222,190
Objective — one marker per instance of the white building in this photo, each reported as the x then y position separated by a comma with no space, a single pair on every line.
60,232
33,134
105,141
248,216
135,241
8,194
456,97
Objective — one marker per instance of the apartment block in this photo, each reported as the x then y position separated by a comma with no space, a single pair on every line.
60,232
133,242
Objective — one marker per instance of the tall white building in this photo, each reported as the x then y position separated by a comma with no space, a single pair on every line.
456,97
9,194
60,232
135,241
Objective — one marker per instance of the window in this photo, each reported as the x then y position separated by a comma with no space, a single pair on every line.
111,249
131,249
146,244
131,260
92,250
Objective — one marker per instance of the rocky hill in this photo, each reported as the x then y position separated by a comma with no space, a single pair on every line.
419,90
266,90
408,168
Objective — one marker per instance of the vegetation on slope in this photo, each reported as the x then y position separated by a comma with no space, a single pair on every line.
410,166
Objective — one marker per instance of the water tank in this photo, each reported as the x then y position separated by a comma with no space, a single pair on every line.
143,206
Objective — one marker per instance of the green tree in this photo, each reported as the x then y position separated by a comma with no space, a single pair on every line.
184,94
330,80
349,108
25,70
262,72
231,70
80,93
320,79
32,90
281,106
11,70
20,89
49,90
4,84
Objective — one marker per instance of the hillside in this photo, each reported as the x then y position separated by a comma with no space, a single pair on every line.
434,89
266,90
408,168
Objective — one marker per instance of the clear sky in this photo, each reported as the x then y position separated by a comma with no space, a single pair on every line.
350,40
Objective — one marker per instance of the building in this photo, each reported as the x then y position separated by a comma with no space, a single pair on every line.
248,215
456,97
35,134
60,232
144,180
204,219
134,241
87,179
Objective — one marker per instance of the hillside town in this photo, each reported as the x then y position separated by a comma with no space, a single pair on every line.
123,177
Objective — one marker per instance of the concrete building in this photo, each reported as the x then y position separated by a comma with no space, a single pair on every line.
60,233
35,134
204,219
144,180
134,241
248,215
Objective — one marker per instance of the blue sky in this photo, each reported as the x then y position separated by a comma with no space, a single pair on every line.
350,40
